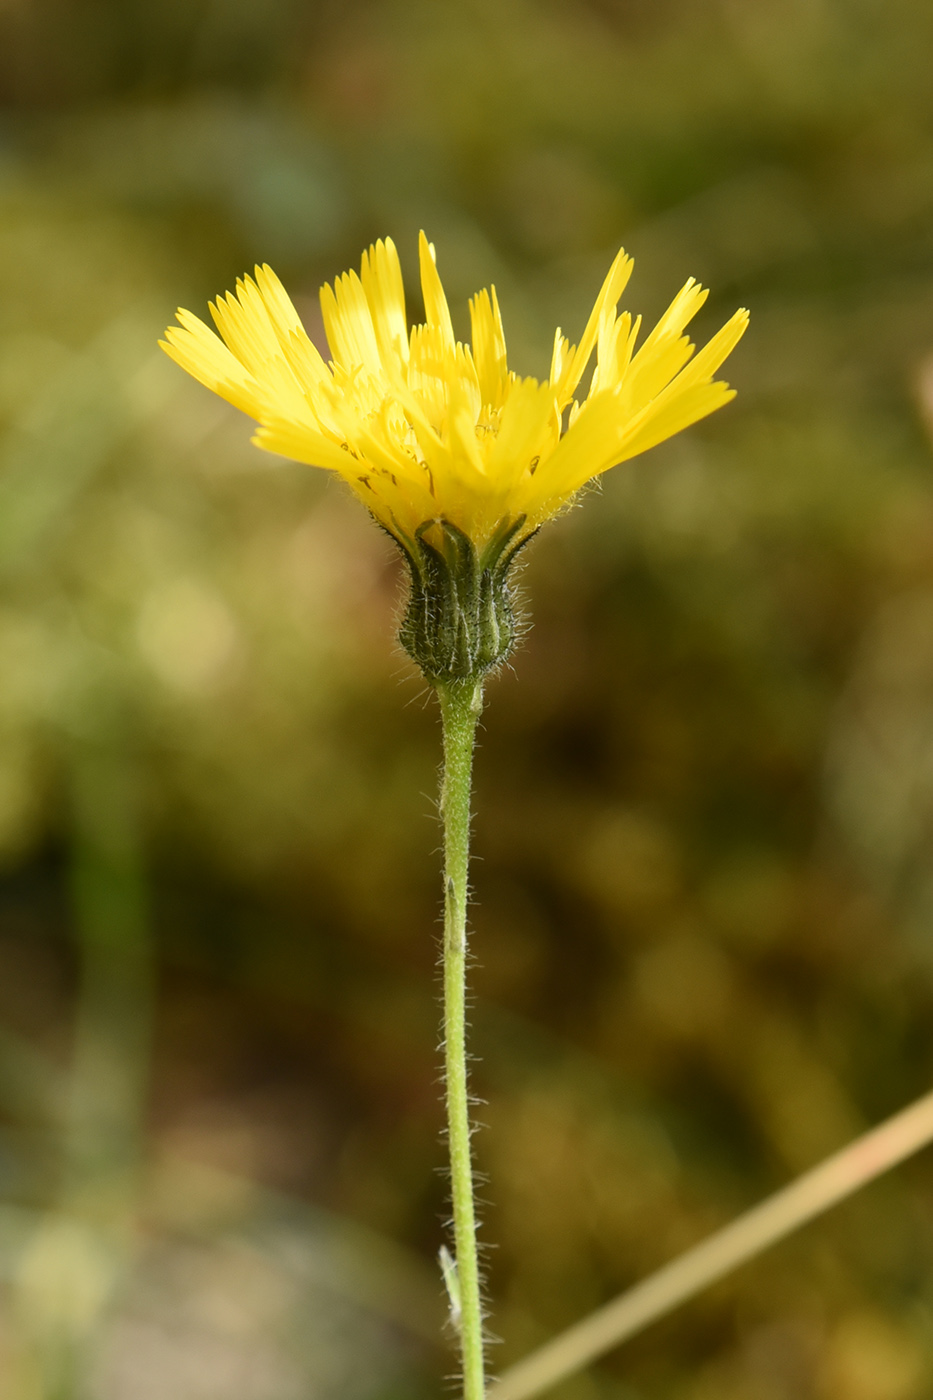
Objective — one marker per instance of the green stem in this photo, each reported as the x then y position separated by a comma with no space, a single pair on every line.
461,703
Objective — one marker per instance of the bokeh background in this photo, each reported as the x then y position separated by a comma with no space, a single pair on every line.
704,928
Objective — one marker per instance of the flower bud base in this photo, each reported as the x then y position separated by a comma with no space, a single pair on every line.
460,620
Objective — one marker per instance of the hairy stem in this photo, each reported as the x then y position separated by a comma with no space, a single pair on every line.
461,702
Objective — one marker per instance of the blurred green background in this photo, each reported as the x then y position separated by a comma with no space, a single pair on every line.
704,928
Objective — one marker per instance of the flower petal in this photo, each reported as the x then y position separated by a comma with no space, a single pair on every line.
381,276
488,341
611,290
436,310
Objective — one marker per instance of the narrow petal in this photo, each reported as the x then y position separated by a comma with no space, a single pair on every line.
651,370
381,276
461,432
558,356
613,359
705,364
436,310
203,354
300,351
679,314
488,341
590,446
529,427
611,290
434,366
696,402
348,322
245,326
278,304
303,443
662,378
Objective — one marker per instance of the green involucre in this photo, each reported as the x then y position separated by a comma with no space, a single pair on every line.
460,622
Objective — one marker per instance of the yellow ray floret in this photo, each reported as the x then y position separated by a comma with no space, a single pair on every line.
425,428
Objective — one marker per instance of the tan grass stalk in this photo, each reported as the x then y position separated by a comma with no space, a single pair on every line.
811,1194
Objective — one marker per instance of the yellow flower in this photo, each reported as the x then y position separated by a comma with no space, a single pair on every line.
426,428
458,457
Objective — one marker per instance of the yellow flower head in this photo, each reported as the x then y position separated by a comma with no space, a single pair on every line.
457,456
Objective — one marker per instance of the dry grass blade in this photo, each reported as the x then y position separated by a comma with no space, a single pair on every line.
811,1194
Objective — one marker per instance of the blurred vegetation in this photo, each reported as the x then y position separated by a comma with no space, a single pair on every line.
704,929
